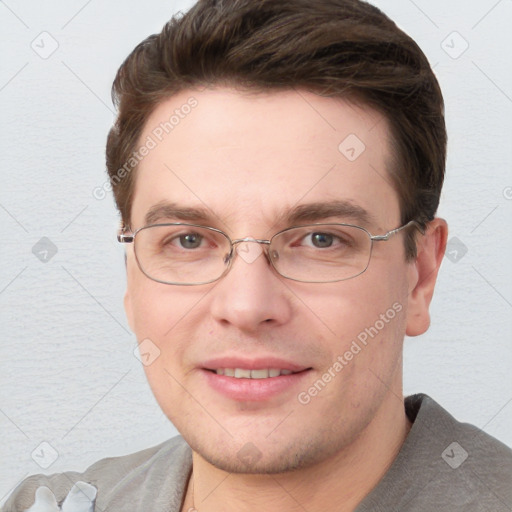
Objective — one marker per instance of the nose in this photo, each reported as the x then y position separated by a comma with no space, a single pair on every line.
251,295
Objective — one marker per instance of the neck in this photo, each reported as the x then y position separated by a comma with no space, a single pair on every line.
339,483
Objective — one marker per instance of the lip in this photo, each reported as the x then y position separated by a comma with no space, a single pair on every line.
253,390
252,364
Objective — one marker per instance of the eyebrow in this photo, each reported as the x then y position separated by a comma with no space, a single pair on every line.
167,211
319,211
310,212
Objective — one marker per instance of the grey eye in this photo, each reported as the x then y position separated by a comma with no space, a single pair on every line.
191,240
321,239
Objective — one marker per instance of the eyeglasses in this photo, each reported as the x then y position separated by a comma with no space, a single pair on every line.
190,254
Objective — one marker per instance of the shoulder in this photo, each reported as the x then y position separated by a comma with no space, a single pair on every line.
468,467
444,465
119,480
483,448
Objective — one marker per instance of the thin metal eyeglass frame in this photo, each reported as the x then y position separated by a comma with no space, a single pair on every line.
127,238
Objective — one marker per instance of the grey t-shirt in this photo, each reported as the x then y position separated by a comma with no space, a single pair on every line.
443,466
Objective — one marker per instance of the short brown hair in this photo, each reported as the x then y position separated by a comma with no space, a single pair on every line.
338,48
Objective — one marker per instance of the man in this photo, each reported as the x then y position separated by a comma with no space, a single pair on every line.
277,166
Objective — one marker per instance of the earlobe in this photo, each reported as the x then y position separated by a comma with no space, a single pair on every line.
423,274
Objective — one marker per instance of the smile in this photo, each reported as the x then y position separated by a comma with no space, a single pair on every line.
255,384
244,373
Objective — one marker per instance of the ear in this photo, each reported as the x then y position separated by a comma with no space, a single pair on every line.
423,274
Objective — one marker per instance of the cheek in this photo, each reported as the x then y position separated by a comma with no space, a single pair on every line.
154,308
164,317
349,308
165,321
363,319
152,311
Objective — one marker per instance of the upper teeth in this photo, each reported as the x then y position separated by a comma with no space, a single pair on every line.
242,373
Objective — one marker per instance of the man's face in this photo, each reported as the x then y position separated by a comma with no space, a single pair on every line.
247,161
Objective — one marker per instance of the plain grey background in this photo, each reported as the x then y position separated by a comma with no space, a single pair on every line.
71,389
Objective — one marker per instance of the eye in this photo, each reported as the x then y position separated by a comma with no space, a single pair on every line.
190,240
321,239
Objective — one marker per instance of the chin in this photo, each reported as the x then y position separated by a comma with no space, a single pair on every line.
250,459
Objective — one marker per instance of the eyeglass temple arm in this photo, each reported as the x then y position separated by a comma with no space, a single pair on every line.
389,234
123,238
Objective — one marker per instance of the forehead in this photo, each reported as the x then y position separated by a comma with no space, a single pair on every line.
247,158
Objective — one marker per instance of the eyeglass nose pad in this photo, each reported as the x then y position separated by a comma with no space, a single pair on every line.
228,257
274,255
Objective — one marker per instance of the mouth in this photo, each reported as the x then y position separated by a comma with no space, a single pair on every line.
254,380
246,373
